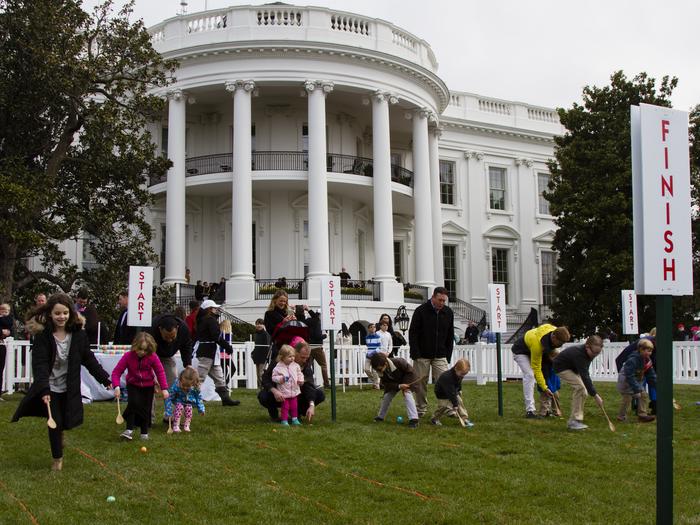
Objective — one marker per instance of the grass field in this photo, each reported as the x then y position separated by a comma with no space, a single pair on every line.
236,467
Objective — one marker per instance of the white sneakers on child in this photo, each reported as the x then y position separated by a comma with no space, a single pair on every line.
577,425
127,435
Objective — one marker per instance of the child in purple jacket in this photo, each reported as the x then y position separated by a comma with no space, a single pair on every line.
141,364
288,377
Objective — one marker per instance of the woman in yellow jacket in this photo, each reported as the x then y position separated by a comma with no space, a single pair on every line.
528,352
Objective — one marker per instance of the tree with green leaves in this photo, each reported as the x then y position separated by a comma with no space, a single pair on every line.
591,197
76,95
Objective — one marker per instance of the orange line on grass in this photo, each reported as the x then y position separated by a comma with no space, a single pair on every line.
416,493
275,486
20,503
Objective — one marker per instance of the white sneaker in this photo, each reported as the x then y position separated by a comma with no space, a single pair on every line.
127,435
577,425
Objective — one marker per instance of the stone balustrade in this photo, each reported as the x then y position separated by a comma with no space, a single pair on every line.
279,23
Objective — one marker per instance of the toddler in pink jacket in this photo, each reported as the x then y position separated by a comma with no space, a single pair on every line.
141,365
288,377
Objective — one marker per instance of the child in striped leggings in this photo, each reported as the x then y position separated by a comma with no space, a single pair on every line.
184,394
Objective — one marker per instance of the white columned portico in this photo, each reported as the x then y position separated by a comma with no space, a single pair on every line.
241,284
436,205
425,274
175,237
317,90
390,290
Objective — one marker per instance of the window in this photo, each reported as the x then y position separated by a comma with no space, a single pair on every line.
449,258
549,270
447,182
542,183
305,138
499,268
252,137
497,188
164,142
397,260
162,252
89,262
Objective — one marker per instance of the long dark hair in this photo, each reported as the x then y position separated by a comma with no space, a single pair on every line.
43,314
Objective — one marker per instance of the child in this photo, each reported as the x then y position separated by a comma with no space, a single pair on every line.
59,349
227,366
548,407
638,366
396,374
448,390
287,375
184,394
385,337
262,347
141,363
374,343
6,330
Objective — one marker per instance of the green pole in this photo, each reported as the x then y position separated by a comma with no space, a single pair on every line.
332,356
664,410
500,374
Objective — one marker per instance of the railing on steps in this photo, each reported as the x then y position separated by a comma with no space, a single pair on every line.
468,311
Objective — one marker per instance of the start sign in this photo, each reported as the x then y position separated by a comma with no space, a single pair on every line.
140,296
330,303
663,263
629,312
497,307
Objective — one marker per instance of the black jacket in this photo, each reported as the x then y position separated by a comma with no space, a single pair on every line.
209,336
575,358
448,386
262,347
316,335
431,334
182,343
273,318
43,357
471,334
402,373
123,333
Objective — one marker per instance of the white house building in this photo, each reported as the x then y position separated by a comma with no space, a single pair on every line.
304,140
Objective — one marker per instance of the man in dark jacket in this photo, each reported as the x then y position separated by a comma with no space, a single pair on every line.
88,311
471,334
431,338
572,366
123,333
310,396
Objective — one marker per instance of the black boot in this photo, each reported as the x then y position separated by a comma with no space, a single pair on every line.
225,399
652,407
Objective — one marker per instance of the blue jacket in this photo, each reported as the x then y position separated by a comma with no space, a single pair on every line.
634,371
373,342
178,395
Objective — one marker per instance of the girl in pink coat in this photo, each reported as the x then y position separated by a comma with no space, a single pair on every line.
141,365
288,377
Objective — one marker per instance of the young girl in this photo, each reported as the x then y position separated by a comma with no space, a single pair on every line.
227,365
396,375
141,363
289,378
184,394
59,349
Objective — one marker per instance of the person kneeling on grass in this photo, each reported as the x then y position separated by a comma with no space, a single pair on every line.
142,365
288,377
271,398
448,390
637,367
184,394
572,366
396,375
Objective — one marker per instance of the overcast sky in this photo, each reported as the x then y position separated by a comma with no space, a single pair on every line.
540,52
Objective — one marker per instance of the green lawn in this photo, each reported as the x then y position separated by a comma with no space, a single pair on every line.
236,467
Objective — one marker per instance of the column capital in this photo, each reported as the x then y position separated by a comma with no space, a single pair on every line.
478,155
523,162
325,86
176,94
436,130
246,85
381,96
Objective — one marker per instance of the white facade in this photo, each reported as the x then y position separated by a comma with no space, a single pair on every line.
304,140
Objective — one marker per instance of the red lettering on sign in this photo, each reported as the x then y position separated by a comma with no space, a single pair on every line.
141,296
668,213
140,316
669,242
141,306
669,269
666,158
664,130
667,185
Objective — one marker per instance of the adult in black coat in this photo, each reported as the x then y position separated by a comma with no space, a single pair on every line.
123,333
310,396
209,339
60,348
316,337
431,337
471,334
89,312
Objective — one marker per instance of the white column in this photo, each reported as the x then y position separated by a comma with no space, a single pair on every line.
390,290
241,284
317,185
436,206
175,190
425,274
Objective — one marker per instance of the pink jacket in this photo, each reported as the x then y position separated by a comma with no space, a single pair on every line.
140,372
286,379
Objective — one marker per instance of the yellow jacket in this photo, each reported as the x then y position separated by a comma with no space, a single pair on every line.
533,340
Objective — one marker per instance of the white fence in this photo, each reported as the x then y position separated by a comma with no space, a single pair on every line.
349,365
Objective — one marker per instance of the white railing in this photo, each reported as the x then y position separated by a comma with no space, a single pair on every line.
545,115
203,24
350,24
494,106
455,100
279,17
349,365
402,39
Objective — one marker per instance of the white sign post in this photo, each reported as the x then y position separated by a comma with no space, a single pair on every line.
331,320
140,296
663,263
497,310
629,312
